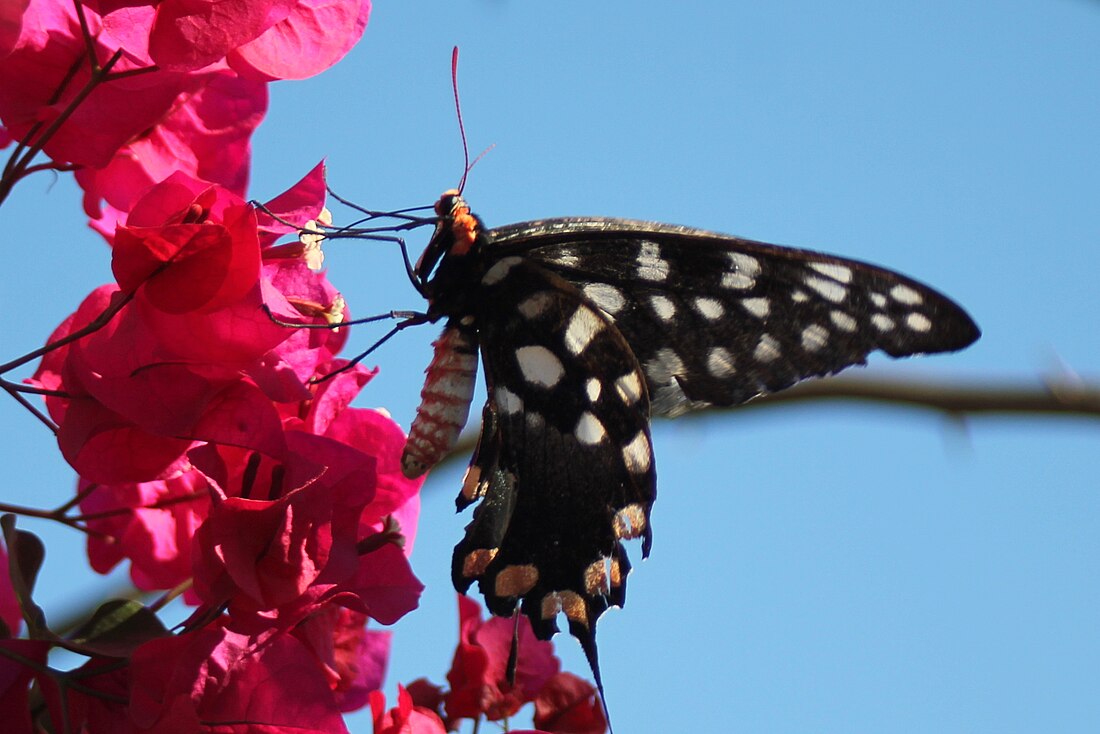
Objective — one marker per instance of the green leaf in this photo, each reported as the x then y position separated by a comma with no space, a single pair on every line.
118,627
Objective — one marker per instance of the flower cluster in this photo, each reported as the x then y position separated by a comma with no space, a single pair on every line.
203,404
482,686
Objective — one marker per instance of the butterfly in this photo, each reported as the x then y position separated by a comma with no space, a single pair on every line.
588,326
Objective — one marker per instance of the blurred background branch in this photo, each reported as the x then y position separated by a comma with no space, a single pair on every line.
1062,397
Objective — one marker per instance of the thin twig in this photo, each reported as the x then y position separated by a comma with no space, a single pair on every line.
958,400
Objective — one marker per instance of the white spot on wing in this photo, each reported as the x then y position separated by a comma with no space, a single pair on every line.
508,401
882,322
593,388
830,290
651,266
636,454
843,321
589,430
904,294
918,322
496,273
878,299
745,264
758,307
582,329
663,307
664,365
629,387
836,271
737,281
814,337
709,308
539,366
565,257
536,305
720,362
767,349
607,297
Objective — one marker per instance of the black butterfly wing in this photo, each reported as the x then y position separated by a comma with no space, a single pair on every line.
564,466
719,320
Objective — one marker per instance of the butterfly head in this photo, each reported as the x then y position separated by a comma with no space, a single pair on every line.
456,232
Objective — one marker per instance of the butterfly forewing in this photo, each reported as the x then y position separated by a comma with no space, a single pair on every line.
719,320
564,462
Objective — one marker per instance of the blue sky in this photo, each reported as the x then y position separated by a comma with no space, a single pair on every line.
825,568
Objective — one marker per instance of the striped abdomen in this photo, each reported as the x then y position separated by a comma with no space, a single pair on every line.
444,401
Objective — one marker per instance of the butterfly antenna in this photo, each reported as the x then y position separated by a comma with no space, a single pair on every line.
461,127
458,113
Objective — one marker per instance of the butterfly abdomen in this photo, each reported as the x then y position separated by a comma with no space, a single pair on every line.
444,400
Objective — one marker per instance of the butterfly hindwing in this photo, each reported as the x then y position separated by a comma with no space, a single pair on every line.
564,465
719,320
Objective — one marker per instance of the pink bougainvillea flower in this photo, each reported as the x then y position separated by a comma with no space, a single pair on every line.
36,86
11,24
98,705
353,657
568,704
190,34
276,560
215,678
404,718
314,36
298,205
190,358
263,551
426,694
15,680
9,604
290,287
206,135
98,442
478,677
375,433
198,234
129,405
155,534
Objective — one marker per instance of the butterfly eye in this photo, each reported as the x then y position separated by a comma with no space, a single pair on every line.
447,203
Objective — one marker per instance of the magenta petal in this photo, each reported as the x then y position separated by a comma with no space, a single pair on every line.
191,34
299,204
315,35
385,585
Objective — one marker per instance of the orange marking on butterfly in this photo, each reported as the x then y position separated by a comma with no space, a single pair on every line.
475,562
595,578
516,580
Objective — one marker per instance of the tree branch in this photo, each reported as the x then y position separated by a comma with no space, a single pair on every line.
1062,398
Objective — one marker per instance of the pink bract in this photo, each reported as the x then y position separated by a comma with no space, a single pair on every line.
9,604
314,36
353,657
206,134
35,87
478,675
190,34
15,680
569,704
155,534
215,675
404,718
